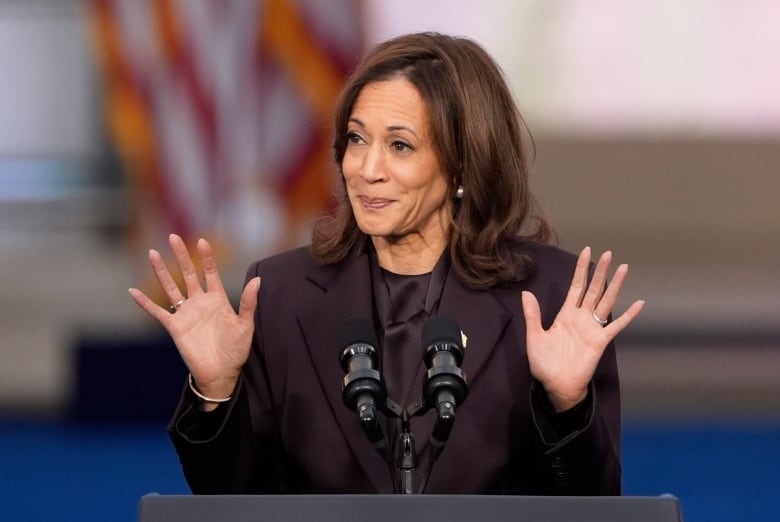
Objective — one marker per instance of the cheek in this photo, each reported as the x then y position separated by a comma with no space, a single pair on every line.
438,201
435,191
350,165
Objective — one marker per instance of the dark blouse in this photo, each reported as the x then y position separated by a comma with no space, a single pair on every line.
402,304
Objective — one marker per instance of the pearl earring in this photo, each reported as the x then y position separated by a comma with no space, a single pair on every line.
459,192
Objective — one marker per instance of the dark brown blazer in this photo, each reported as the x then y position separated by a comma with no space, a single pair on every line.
287,429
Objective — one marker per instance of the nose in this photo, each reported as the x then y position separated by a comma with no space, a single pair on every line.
372,168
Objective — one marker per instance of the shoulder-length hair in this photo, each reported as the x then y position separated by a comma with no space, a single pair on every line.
482,144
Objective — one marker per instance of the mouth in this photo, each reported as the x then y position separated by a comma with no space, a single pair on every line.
374,203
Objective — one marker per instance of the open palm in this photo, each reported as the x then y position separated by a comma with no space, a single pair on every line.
565,356
211,338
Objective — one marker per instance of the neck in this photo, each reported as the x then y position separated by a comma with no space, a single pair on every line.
408,257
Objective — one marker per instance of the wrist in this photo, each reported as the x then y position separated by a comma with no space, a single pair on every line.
566,401
216,393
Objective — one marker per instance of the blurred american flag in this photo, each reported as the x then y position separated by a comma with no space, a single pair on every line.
221,112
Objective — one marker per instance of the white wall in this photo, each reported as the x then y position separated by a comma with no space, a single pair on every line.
49,104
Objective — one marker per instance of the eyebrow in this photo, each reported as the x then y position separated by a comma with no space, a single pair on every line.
390,128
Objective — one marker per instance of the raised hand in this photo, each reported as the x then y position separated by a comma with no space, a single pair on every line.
211,338
564,357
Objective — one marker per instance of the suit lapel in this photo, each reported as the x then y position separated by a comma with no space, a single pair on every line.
347,294
482,317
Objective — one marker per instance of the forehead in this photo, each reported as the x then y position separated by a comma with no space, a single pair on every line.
393,99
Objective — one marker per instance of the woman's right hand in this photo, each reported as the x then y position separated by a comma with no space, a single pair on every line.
212,339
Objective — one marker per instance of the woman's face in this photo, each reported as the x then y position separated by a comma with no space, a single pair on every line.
394,182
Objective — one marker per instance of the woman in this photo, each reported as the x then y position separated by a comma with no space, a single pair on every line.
436,218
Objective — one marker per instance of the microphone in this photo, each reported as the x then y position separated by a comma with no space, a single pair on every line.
445,383
363,389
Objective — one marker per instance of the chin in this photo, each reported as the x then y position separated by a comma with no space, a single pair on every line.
372,225
373,229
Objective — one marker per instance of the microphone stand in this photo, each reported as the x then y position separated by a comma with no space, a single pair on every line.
406,458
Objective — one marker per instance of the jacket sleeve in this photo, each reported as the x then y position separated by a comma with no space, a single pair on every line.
220,451
579,450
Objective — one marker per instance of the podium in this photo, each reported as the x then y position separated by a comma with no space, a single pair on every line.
406,508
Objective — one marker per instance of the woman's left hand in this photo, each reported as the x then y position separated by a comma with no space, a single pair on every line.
564,357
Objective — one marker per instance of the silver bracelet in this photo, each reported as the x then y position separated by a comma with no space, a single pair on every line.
203,397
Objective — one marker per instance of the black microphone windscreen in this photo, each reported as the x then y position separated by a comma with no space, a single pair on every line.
441,329
357,330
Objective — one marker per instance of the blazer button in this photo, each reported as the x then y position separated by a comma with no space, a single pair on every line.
560,474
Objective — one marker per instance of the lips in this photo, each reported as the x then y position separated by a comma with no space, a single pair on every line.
374,203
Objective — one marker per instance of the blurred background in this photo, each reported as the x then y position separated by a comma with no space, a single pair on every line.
657,129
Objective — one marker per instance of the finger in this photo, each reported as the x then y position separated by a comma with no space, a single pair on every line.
209,264
579,279
608,300
622,321
149,306
187,268
599,281
248,302
532,313
164,277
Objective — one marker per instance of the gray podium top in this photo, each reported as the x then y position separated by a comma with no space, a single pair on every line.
406,508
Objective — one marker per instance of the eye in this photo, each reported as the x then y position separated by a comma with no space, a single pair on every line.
401,146
354,138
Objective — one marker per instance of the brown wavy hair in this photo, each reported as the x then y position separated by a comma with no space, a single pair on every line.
482,142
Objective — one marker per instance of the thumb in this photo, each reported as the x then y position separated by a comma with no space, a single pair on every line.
532,313
248,302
